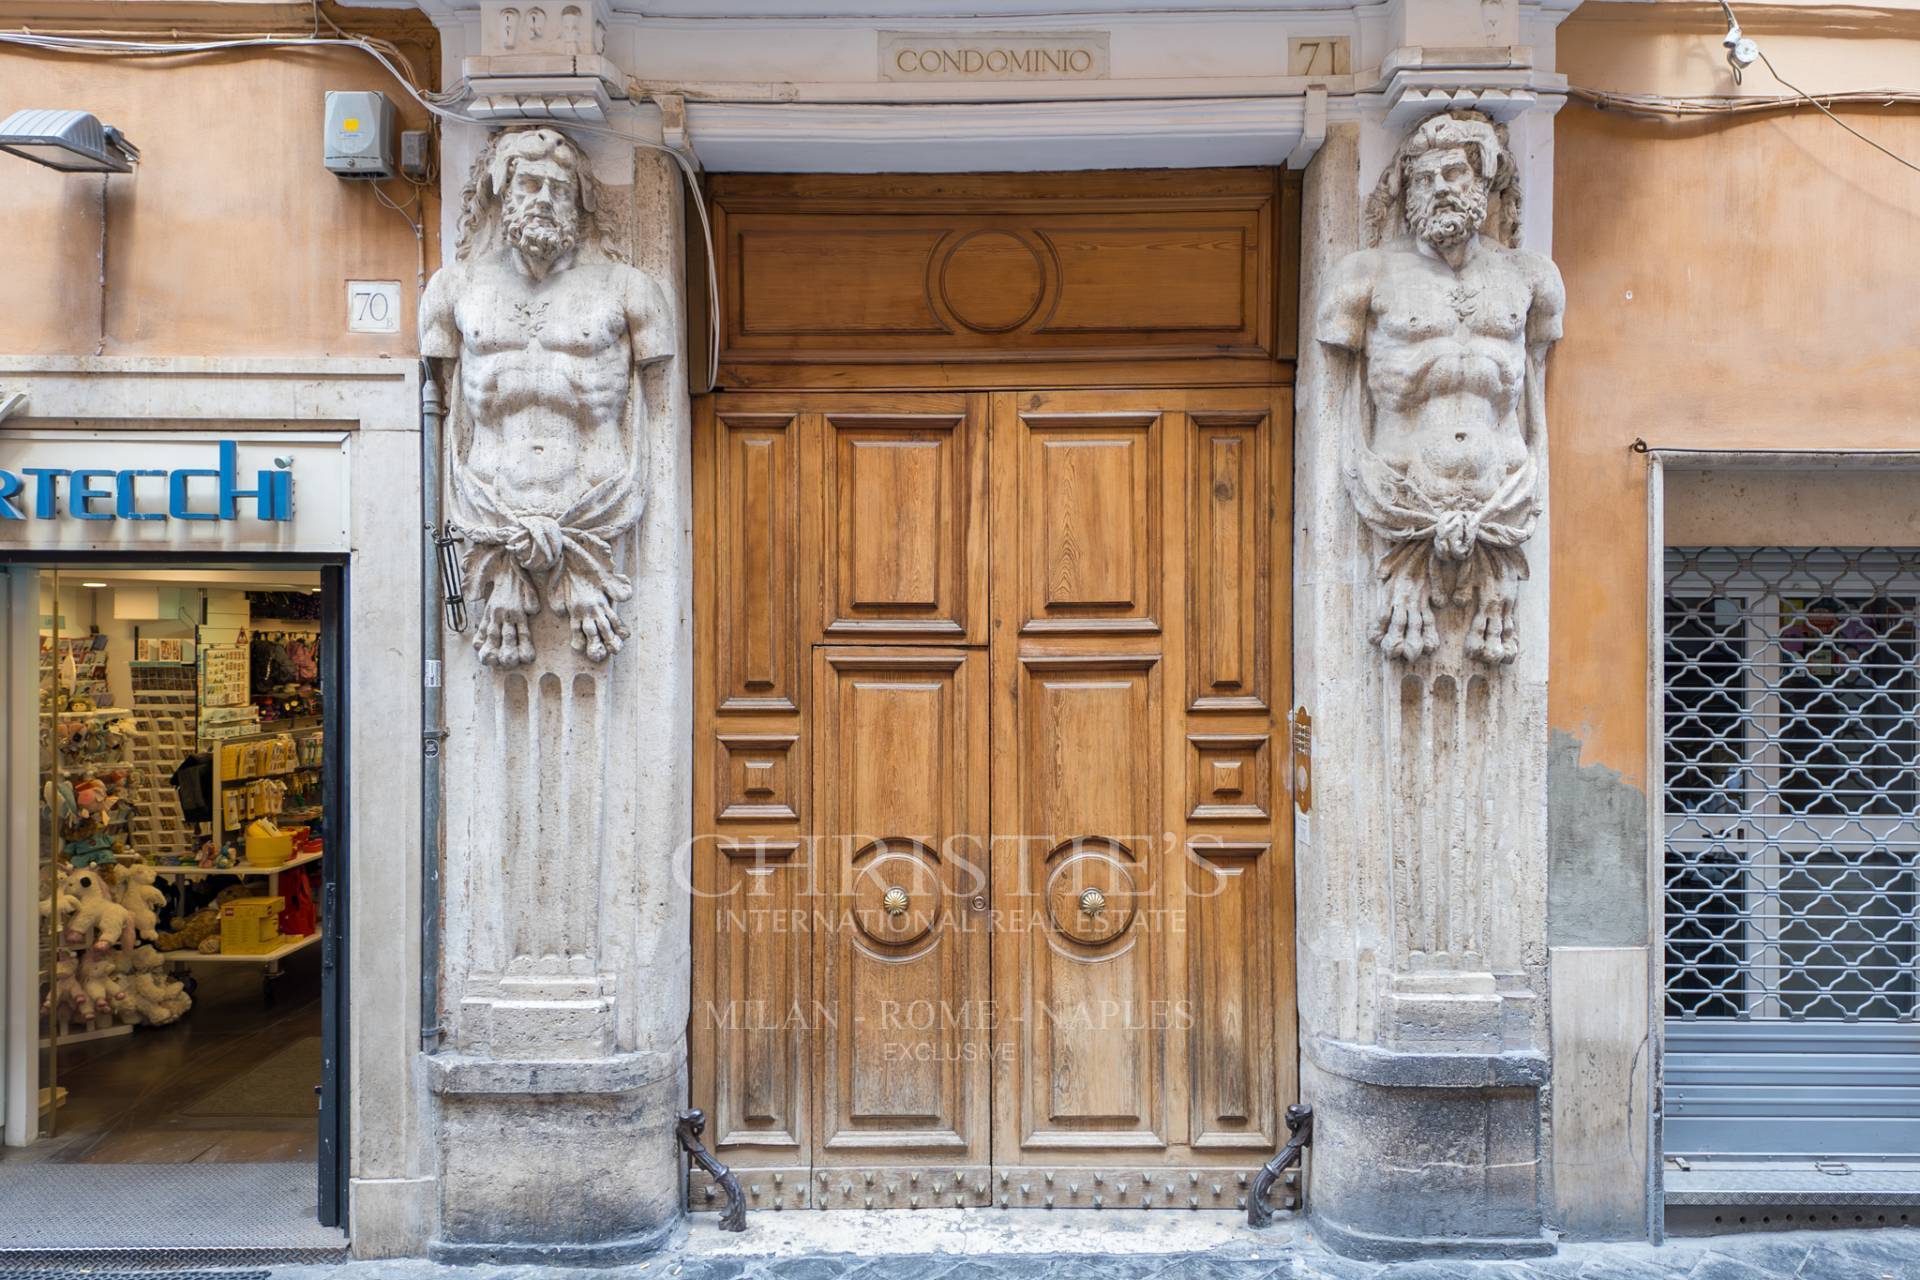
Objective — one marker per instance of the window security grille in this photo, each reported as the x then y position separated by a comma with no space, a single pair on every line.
1792,814
1792,724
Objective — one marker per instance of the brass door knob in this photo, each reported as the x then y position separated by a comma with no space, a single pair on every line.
1093,902
894,901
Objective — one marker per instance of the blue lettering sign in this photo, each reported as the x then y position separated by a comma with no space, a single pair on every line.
46,490
82,496
92,487
125,504
178,505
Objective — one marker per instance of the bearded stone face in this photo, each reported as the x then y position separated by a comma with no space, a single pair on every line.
540,209
1446,196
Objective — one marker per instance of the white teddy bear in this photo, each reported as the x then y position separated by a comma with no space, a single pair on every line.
142,900
156,998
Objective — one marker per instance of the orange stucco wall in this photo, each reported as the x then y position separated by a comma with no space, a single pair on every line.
230,238
1744,283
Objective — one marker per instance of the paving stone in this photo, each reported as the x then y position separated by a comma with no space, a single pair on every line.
1607,1267
1822,1263
1899,1249
712,1269
1553,1268
1780,1254
1427,1269
825,1268
1718,1266
1317,1264
1525,1269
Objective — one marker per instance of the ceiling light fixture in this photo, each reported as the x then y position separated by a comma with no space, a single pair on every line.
70,141
93,584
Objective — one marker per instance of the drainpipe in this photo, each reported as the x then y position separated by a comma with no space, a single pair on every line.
432,726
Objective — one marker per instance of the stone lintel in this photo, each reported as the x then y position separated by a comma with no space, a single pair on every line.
1376,1065
471,1075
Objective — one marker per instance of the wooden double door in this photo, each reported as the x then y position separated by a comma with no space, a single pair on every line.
993,885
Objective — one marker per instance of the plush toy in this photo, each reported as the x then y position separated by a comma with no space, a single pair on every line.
96,850
98,921
66,901
202,926
142,900
156,998
67,999
99,978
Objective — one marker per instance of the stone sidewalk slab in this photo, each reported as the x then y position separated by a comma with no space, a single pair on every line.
1805,1255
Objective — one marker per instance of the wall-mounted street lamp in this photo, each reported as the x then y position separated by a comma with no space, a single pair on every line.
70,141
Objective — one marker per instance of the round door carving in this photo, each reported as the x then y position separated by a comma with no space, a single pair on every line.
896,898
1092,897
991,281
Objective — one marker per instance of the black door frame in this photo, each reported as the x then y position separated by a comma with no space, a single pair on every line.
336,672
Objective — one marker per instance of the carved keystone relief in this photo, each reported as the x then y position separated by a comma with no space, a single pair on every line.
1440,332
540,330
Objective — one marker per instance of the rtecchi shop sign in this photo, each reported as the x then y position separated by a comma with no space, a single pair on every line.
165,491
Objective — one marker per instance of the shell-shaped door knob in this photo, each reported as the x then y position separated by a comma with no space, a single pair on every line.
894,901
1093,902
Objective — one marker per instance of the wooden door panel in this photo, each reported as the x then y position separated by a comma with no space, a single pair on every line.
1089,521
1079,891
1229,520
760,1078
903,514
901,819
755,541
1230,902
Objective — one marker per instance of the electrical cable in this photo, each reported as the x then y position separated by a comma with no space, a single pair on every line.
1836,119
436,104
1742,51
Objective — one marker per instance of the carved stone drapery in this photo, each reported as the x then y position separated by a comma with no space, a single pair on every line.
542,329
1442,328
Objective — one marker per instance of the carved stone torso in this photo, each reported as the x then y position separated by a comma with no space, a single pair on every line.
1446,357
545,367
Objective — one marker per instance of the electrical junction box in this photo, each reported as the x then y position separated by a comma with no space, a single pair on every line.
359,135
414,162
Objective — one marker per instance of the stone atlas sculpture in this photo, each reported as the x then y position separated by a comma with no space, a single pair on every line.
1440,332
546,329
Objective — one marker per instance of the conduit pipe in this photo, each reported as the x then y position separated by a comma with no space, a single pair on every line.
432,727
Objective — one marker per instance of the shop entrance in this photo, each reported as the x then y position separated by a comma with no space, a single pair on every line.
175,867
1792,905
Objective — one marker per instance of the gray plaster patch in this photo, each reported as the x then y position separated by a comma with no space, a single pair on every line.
1597,850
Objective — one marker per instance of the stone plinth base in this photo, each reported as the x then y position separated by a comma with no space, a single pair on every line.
559,1162
1419,1154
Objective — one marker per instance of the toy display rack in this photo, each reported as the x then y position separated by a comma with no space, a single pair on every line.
166,713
